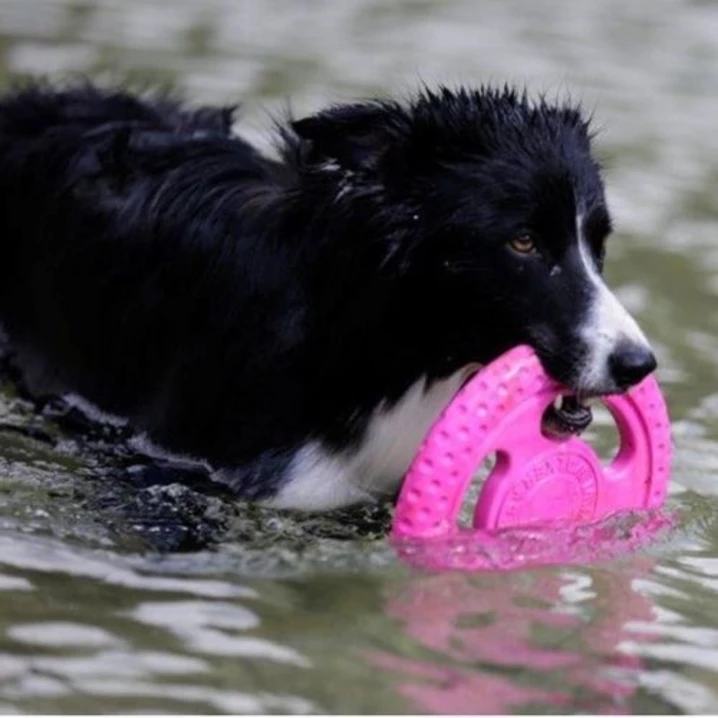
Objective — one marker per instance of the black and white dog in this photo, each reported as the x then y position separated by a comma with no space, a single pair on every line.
297,324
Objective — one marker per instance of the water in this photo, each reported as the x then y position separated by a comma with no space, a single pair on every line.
116,596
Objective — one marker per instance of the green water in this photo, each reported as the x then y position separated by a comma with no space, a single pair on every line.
284,615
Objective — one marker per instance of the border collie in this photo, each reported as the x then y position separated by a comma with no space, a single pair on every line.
296,324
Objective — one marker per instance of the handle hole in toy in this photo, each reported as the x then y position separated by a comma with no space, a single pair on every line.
565,417
601,431
494,462
603,434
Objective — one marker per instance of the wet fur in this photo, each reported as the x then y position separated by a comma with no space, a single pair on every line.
297,324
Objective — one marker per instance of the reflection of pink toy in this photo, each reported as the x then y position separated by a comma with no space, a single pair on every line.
480,634
536,479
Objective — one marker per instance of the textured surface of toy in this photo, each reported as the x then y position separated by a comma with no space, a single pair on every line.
536,479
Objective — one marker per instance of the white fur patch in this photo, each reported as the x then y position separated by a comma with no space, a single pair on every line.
139,442
608,324
142,445
93,412
319,480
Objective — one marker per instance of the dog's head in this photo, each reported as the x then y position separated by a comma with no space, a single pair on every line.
494,208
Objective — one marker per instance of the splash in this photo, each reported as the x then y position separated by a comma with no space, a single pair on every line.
539,545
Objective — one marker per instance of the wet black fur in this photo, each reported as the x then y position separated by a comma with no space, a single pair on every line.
235,307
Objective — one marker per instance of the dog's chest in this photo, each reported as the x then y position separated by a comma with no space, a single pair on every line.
320,480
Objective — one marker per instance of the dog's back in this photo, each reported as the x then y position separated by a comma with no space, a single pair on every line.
124,233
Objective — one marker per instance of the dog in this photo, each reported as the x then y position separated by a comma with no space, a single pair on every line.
296,321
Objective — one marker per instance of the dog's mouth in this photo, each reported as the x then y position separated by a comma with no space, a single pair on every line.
570,416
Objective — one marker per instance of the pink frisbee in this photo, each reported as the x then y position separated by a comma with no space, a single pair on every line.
536,480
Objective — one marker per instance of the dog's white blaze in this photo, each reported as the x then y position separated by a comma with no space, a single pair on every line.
608,324
319,480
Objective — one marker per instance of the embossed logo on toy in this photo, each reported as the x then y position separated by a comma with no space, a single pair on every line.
554,485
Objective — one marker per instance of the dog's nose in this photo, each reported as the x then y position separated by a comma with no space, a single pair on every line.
631,363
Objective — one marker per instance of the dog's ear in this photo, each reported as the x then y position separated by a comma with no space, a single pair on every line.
356,137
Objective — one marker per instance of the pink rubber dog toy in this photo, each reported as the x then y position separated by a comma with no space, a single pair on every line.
536,479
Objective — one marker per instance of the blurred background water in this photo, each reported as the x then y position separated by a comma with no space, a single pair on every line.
117,595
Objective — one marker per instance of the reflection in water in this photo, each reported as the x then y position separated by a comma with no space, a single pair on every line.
278,614
54,660
210,627
534,634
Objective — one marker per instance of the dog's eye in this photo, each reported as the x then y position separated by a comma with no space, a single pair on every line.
523,244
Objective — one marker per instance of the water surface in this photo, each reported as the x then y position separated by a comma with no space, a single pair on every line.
119,594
